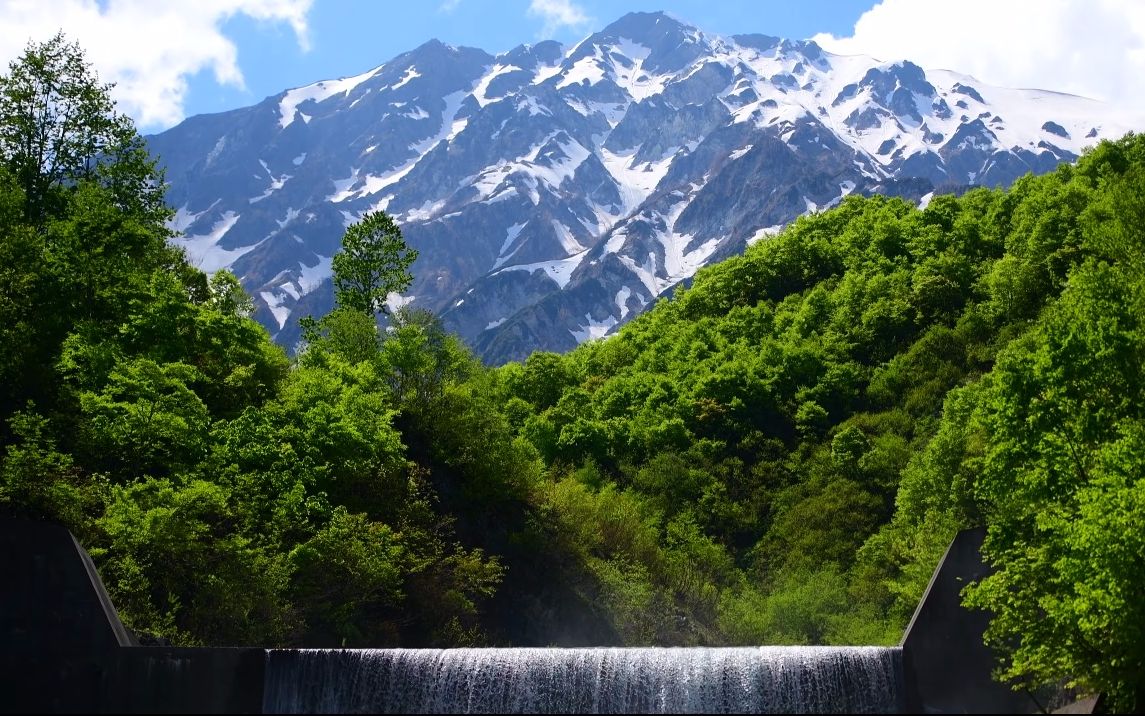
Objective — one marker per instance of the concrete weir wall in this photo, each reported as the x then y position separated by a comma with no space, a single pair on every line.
184,680
946,667
57,625
63,648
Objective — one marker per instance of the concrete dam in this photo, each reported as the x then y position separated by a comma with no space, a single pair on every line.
64,649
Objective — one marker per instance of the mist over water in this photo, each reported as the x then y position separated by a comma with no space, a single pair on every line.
597,680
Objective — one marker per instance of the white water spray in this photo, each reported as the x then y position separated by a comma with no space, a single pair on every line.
600,680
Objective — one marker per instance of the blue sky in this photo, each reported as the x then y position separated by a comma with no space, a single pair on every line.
175,58
350,36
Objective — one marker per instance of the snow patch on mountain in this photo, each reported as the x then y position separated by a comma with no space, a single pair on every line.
545,72
765,232
560,271
511,235
184,217
448,129
343,188
679,263
637,82
483,85
318,92
428,210
203,250
291,215
355,187
410,74
276,183
740,152
291,290
593,329
559,163
565,237
645,271
622,297
396,301
585,71
277,305
636,179
415,113
311,277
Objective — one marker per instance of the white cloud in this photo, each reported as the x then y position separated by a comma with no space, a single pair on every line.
1094,48
147,48
448,6
557,14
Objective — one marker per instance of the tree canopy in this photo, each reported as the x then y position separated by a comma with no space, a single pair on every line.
373,263
58,126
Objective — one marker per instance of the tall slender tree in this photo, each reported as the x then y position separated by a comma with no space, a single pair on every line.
58,126
82,216
374,262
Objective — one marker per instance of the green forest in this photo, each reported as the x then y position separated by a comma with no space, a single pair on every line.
778,454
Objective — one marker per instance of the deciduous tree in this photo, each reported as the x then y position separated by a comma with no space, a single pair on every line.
374,262
58,126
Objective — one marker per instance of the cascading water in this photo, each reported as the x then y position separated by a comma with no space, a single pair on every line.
602,680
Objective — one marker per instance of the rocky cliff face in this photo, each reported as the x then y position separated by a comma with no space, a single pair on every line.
555,192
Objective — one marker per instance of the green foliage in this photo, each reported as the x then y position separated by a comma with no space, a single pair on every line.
1061,484
227,296
344,575
374,262
799,611
177,567
145,420
1043,448
37,481
58,127
420,360
81,216
350,335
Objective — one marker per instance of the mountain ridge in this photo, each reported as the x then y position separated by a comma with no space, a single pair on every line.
555,192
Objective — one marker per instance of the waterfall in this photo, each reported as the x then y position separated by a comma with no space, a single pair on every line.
599,680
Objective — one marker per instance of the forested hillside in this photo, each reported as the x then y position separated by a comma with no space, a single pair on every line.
778,454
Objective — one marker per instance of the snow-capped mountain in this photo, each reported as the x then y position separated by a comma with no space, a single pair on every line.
555,192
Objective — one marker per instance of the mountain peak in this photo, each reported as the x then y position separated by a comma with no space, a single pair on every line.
527,56
671,44
756,41
654,30
436,47
646,22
